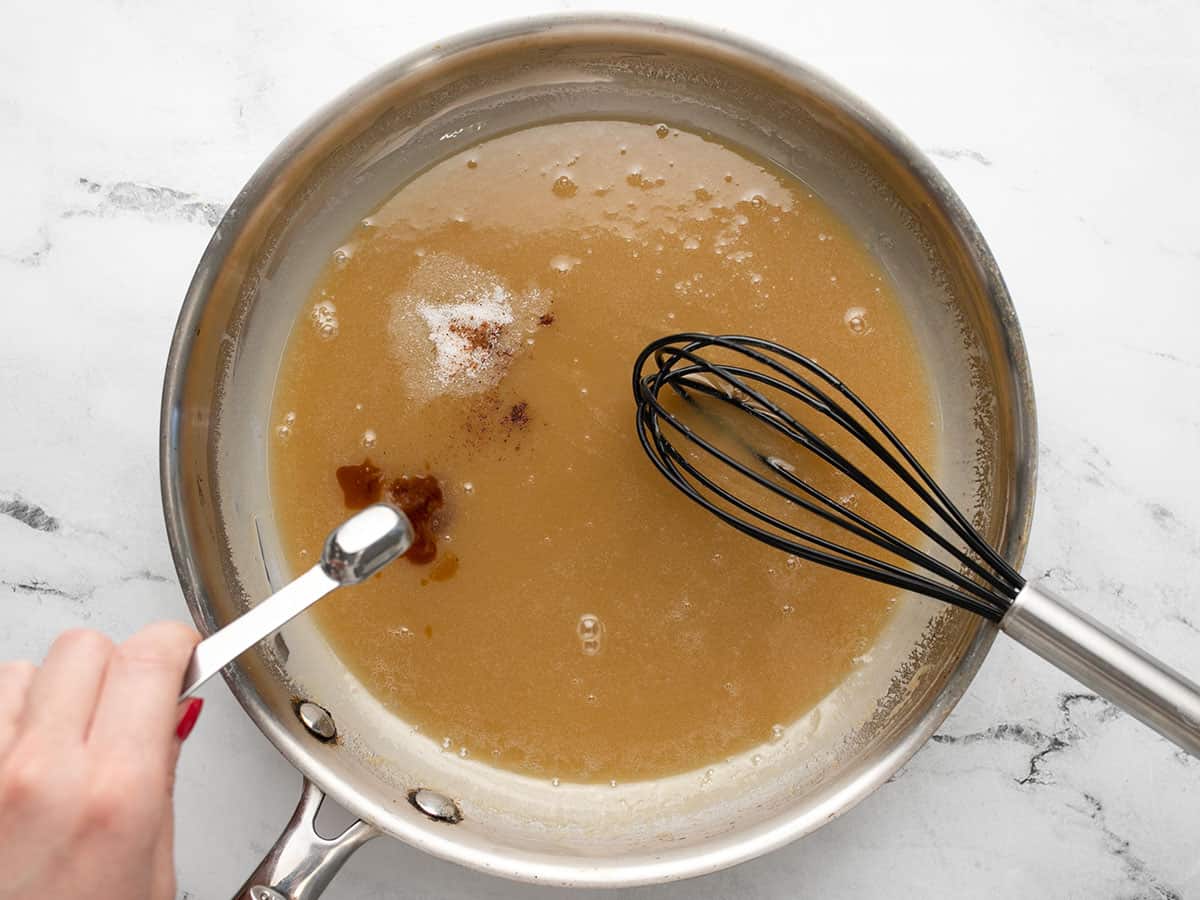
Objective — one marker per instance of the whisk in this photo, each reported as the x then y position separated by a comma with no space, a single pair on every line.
715,461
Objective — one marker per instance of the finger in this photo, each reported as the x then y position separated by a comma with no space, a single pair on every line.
139,704
62,697
15,679
162,864
189,712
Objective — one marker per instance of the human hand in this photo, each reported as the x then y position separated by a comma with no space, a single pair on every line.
88,746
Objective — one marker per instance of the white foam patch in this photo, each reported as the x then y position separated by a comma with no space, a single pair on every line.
456,328
466,336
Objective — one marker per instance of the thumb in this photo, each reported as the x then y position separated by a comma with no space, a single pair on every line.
162,865
190,712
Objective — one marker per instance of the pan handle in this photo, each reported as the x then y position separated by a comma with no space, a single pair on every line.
302,863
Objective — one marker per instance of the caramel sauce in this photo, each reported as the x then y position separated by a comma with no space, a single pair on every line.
591,623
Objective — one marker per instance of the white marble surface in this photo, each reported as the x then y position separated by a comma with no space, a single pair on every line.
1071,131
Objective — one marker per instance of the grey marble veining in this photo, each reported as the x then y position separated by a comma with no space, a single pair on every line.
1069,131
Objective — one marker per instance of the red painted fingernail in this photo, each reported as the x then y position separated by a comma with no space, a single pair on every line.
188,720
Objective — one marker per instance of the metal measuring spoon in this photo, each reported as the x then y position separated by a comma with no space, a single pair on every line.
354,551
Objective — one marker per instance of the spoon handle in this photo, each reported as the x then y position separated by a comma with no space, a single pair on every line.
214,653
356,550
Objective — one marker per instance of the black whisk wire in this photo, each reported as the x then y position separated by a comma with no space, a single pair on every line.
977,578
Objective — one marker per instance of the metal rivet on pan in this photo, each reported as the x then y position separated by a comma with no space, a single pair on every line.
259,892
437,806
317,720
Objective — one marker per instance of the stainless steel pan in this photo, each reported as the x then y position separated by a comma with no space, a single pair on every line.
227,347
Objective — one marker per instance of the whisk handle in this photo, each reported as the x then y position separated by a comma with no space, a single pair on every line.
1113,667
